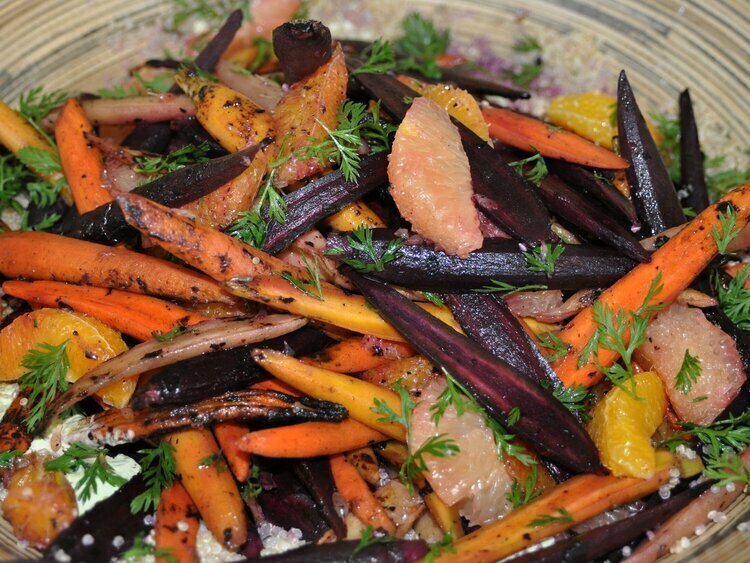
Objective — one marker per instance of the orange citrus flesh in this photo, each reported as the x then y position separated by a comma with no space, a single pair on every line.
591,115
91,342
622,425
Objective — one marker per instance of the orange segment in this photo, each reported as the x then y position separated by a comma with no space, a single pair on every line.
91,343
457,102
621,426
590,115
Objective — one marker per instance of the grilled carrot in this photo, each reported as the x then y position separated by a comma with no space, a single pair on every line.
45,256
228,435
310,439
530,134
354,215
210,485
358,496
81,161
679,262
130,313
355,354
176,526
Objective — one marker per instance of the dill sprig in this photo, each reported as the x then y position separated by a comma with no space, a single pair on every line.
371,537
729,229
164,164
506,288
93,461
688,374
117,92
734,299
159,467
47,367
360,239
250,228
438,446
534,168
380,58
312,286
544,519
542,258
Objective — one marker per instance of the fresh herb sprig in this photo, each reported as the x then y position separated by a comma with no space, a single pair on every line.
437,446
7,458
250,228
734,299
380,58
562,516
729,229
543,258
725,468
170,335
729,433
443,545
312,286
47,366
523,494
117,92
159,468
420,45
140,550
506,289
93,461
371,537
534,168
360,239
36,104
576,398
688,374
164,164
553,343
214,460
252,487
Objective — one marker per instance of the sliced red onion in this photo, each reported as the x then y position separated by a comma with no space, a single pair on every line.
548,306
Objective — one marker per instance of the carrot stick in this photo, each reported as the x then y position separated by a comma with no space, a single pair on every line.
81,161
310,439
176,525
45,256
356,395
253,274
276,385
16,134
581,497
354,215
228,435
133,314
736,269
355,354
210,485
358,496
679,261
530,134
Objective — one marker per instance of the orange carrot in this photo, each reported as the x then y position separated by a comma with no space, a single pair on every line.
133,314
363,504
228,435
679,262
276,385
736,269
310,439
81,161
176,526
530,134
45,256
358,354
582,497
210,485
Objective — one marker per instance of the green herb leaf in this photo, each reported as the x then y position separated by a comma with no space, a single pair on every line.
164,164
117,92
93,461
312,285
542,258
523,494
47,367
726,467
507,289
380,58
433,298
371,537
524,76
533,167
252,487
689,372
421,44
159,467
7,458
576,398
734,299
250,228
214,460
141,549
527,44
544,519
361,240
36,104
730,433
443,545
173,333
551,341
729,229
160,84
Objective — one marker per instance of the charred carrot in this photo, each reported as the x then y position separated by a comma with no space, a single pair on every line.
679,262
45,256
565,506
81,160
253,274
210,485
358,354
133,314
310,439
228,435
355,491
357,396
354,215
530,134
176,526
16,134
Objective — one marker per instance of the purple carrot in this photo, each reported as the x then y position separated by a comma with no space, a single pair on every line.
396,551
421,267
106,224
301,47
321,198
651,187
579,177
596,543
692,172
315,474
503,195
544,423
572,207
